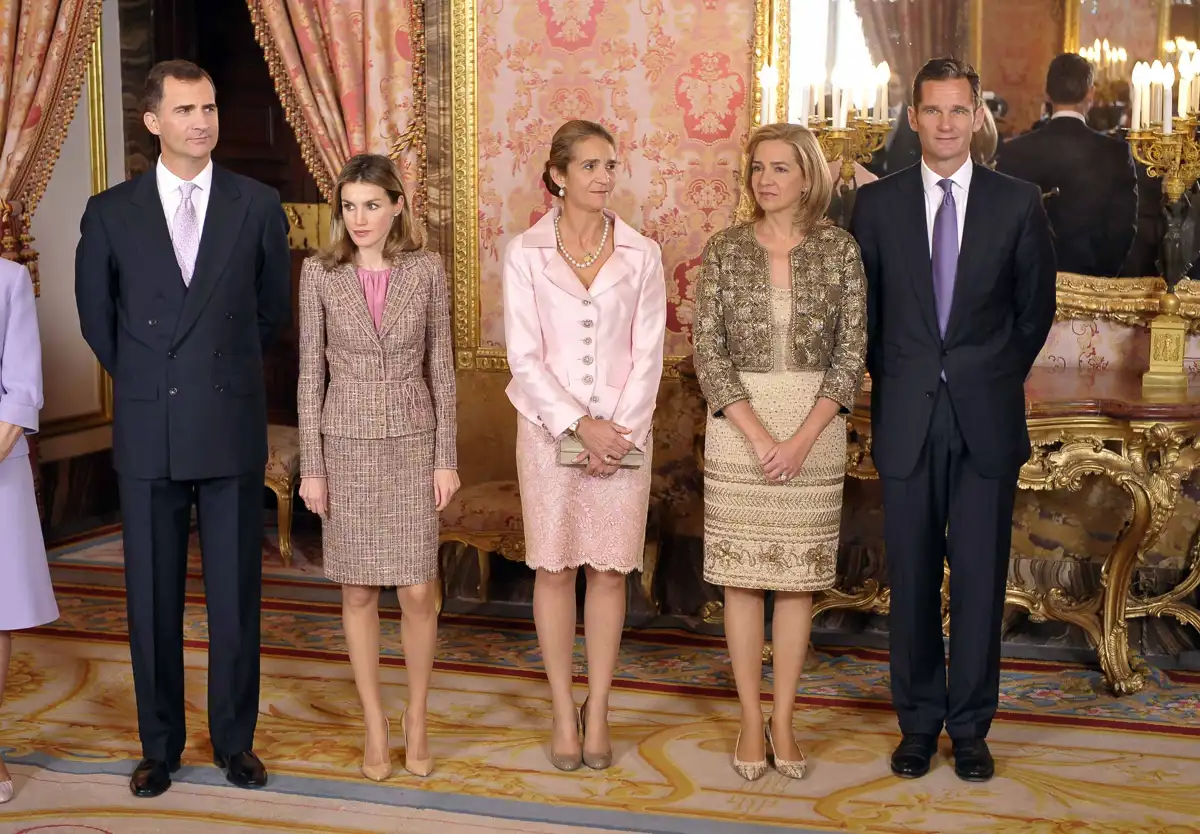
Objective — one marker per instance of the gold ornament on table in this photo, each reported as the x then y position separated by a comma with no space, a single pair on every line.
1166,144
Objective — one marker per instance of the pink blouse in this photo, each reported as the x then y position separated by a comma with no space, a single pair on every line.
374,286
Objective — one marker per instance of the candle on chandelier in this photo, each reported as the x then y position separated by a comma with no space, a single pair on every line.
1156,94
1135,97
1149,110
768,79
1168,84
1185,81
883,74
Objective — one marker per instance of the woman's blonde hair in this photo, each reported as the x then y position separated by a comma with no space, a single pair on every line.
815,201
379,170
985,141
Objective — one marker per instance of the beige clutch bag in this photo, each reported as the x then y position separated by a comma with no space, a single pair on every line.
570,448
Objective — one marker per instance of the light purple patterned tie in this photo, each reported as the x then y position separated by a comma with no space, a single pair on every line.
186,236
945,255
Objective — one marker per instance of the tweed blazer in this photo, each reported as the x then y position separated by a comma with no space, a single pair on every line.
393,382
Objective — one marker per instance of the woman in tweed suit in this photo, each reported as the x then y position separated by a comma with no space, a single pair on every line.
378,442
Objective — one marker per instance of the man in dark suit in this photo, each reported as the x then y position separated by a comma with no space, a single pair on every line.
1089,177
182,276
953,331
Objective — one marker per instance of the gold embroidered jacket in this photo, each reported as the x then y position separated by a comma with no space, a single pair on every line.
733,330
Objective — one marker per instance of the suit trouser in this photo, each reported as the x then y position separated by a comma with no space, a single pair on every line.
157,522
946,510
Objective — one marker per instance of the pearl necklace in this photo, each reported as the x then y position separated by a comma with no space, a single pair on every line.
589,258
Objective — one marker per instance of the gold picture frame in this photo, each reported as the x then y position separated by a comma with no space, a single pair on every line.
98,163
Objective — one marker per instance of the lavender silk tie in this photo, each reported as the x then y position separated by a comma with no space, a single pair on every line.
945,255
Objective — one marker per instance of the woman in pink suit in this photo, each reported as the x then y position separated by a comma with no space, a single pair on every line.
26,595
584,319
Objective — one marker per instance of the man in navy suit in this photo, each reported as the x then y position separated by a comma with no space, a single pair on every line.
182,277
960,297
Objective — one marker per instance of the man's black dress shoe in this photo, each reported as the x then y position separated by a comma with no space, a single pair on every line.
973,761
152,777
243,769
911,758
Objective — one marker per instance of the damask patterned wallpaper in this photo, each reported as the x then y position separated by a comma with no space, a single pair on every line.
670,78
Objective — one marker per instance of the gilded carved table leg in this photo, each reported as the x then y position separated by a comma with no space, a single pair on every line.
1150,470
1179,457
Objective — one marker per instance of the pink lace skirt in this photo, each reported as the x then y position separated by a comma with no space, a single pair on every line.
573,519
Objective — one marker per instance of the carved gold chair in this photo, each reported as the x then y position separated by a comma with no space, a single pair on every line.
488,518
282,477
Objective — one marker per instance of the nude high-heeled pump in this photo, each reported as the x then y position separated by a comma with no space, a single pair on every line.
378,772
415,766
792,770
596,761
569,761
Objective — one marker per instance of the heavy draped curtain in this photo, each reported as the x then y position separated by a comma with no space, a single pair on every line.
350,75
43,57
907,33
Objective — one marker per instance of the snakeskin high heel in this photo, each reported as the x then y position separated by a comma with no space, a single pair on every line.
750,771
792,770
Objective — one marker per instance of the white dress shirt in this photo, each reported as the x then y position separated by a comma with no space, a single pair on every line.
1069,114
169,193
934,195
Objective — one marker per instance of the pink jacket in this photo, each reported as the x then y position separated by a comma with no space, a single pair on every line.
576,352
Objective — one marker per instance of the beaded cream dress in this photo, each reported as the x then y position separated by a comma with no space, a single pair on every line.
777,536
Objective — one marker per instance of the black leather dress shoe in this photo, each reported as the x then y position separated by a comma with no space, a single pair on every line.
243,769
973,761
152,777
911,758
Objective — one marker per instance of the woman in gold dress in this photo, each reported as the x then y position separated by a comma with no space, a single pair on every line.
780,345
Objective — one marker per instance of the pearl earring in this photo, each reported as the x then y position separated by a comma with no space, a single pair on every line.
562,191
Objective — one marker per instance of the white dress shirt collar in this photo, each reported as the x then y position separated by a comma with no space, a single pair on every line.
1069,114
961,177
168,182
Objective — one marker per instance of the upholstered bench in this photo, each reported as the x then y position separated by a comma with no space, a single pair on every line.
488,518
282,477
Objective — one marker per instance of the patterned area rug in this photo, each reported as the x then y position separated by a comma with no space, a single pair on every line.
1070,756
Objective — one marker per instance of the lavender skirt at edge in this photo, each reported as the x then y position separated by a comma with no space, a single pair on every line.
26,595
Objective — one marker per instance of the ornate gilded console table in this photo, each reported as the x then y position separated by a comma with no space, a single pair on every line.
1082,423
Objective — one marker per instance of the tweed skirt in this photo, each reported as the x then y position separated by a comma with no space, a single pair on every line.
382,524
574,519
776,536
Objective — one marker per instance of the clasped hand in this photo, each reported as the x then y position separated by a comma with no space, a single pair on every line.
781,461
604,444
